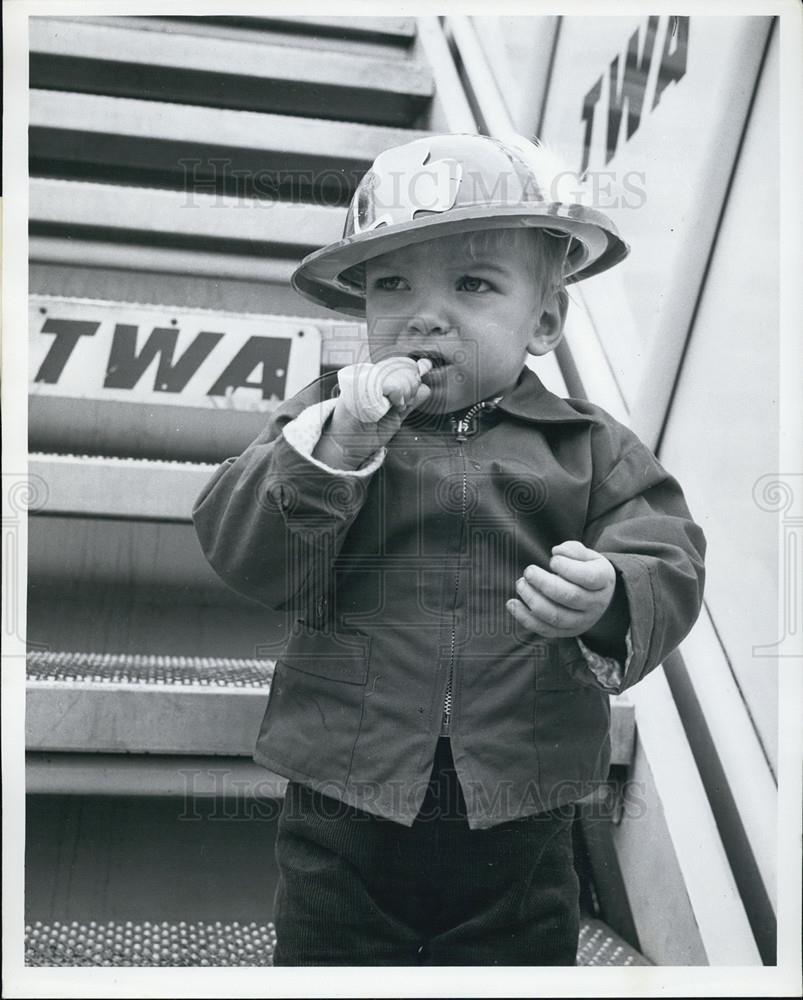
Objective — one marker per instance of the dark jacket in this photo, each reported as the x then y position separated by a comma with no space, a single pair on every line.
396,583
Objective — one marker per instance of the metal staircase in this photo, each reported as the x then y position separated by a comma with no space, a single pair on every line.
182,163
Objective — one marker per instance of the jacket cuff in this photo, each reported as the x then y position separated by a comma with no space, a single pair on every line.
646,615
608,671
304,432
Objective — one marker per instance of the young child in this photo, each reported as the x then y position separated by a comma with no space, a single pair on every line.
470,564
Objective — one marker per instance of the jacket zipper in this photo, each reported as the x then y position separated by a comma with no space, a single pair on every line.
447,699
463,427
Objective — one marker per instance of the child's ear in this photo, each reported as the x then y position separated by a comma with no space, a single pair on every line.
548,332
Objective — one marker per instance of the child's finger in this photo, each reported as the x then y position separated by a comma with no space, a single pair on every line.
400,395
396,397
401,385
405,403
595,574
556,588
519,612
554,616
523,615
533,623
574,550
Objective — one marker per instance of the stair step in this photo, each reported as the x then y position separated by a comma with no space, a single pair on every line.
169,276
69,552
150,775
108,487
149,669
387,37
107,703
137,430
189,68
203,149
398,29
175,218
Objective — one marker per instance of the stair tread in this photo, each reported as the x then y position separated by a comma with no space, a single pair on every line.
259,130
324,79
162,214
210,55
136,668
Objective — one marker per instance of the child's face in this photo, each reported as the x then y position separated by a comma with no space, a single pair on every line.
475,314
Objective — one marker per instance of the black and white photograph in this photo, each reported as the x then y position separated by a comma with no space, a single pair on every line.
402,499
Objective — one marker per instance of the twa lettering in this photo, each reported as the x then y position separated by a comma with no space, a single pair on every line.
110,350
627,87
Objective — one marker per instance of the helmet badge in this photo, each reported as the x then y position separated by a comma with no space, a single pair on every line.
399,186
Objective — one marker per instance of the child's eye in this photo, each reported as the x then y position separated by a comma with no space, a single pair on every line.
392,283
468,283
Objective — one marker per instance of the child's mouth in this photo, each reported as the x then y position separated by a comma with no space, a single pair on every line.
437,360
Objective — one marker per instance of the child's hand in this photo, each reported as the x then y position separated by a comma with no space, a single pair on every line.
374,400
400,382
369,391
569,600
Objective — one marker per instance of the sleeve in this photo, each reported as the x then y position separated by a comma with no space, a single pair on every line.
607,670
272,521
304,432
639,520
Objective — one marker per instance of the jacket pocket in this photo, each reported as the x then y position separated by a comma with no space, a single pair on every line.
570,726
313,716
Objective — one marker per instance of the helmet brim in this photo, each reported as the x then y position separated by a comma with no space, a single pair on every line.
596,246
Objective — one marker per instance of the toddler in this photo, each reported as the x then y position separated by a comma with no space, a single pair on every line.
470,564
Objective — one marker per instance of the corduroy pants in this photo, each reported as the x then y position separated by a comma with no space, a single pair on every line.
356,889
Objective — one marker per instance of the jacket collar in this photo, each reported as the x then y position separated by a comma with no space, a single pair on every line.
531,400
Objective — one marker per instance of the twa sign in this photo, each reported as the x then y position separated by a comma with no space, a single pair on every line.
648,69
89,349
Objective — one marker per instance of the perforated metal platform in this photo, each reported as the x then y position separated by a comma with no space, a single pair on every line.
116,668
218,944
149,944
599,945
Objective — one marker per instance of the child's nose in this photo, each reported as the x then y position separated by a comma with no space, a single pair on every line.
427,322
